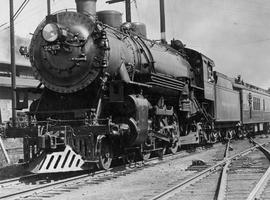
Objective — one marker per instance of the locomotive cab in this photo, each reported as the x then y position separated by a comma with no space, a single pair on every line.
202,70
202,79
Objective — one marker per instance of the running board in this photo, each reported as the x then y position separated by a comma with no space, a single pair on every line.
61,161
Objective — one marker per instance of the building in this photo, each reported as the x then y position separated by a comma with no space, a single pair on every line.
24,75
24,80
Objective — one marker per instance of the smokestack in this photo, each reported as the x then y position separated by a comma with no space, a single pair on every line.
86,6
162,21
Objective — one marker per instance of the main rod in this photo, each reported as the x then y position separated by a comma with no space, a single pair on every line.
12,62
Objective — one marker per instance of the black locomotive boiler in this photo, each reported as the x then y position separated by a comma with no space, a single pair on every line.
109,92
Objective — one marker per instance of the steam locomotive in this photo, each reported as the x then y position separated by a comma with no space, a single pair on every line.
110,92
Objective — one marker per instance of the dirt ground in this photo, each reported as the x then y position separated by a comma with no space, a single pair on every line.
15,153
150,181
14,149
147,182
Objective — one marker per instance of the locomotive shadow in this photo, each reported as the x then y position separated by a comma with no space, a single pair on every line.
45,178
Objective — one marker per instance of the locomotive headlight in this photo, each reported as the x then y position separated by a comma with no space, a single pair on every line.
50,32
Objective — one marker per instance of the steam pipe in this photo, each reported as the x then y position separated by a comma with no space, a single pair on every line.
86,6
162,21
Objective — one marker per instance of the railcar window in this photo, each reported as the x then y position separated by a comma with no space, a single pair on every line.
256,103
267,107
210,74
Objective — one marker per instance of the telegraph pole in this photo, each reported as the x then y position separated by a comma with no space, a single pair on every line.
48,7
128,11
127,6
162,21
12,62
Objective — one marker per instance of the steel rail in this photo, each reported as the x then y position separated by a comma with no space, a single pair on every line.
45,186
50,186
258,189
17,179
5,182
205,173
14,179
8,181
224,176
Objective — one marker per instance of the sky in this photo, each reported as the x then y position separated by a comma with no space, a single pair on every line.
233,33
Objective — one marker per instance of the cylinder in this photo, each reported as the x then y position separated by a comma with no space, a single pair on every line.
87,7
110,17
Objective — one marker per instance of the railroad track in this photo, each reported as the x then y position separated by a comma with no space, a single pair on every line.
244,175
27,183
33,186
46,188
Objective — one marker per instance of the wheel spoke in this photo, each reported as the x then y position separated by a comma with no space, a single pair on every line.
105,157
146,156
173,149
162,152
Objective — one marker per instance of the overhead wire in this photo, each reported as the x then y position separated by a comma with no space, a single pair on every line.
36,9
20,9
225,7
221,44
17,13
3,24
